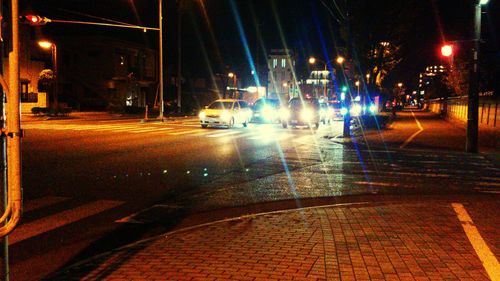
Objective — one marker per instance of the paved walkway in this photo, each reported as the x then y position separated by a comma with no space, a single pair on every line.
427,240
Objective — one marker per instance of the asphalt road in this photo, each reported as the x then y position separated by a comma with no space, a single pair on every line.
93,185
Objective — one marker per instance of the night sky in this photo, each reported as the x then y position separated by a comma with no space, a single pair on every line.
211,36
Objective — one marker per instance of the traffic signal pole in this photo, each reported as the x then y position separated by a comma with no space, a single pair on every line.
473,103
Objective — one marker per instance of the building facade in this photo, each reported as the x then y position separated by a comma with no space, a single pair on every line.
281,65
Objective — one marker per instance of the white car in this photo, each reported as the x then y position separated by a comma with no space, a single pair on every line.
226,112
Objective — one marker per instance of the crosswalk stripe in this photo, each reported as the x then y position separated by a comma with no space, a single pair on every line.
39,203
224,134
186,132
149,130
37,227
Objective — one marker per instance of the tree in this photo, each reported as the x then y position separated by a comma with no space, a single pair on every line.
456,78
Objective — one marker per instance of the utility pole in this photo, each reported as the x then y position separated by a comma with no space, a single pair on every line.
179,55
160,23
473,104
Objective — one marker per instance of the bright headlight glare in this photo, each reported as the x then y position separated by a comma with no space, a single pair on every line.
373,108
268,112
343,111
306,115
202,115
225,115
284,113
356,110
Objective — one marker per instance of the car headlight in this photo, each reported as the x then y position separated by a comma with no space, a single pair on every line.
202,115
284,113
225,115
268,112
343,111
306,114
372,108
356,110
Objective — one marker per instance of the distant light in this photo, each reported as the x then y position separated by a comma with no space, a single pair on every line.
253,72
372,108
400,84
45,44
483,2
447,50
358,98
230,75
342,96
343,111
252,89
312,60
340,60
356,83
285,84
344,89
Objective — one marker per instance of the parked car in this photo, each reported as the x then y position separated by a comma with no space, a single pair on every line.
266,111
301,112
225,112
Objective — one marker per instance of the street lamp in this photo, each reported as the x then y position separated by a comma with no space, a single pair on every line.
53,47
312,60
340,60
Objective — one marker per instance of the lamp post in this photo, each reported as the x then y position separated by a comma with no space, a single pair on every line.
160,23
473,104
53,47
312,60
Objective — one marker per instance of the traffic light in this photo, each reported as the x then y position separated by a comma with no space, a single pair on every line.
344,89
447,50
35,20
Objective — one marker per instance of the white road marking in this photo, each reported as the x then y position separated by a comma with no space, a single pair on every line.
490,263
39,203
421,129
186,132
224,134
37,227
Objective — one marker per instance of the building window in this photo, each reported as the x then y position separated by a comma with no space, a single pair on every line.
283,63
275,63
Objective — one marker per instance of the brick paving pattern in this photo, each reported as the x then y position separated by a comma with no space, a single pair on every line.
407,241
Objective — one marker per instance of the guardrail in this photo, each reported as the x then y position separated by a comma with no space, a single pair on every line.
456,108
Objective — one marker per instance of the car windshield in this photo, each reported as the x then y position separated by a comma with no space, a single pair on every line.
250,140
221,105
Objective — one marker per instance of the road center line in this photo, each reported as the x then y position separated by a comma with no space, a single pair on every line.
421,129
484,253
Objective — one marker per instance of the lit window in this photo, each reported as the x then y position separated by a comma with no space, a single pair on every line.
275,63
283,63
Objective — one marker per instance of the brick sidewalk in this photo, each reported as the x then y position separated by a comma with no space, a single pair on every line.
391,241
437,133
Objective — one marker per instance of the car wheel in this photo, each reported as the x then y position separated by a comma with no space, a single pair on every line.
316,125
245,124
204,126
324,121
284,124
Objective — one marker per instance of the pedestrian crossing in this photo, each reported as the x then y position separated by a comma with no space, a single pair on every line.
252,133
67,215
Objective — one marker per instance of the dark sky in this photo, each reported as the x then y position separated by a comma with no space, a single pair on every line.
211,36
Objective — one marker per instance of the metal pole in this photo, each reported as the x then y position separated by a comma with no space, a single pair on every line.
5,240
56,78
179,56
160,19
473,105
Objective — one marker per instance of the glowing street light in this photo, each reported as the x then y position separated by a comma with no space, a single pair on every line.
400,85
340,60
312,60
230,75
447,50
47,45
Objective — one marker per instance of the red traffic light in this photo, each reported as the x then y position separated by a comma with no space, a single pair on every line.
447,50
35,20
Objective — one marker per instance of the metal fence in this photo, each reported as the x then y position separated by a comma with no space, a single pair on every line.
456,108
